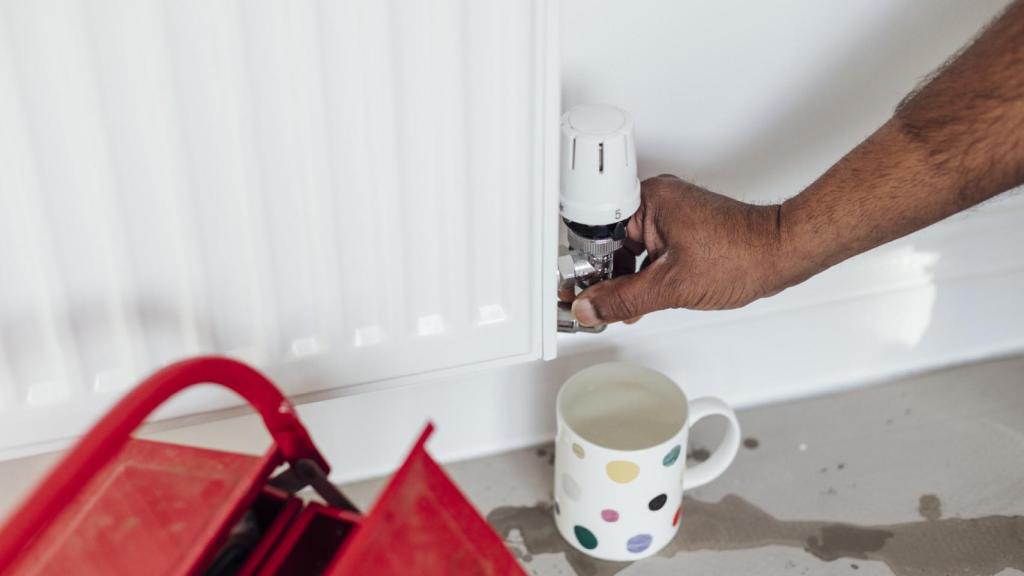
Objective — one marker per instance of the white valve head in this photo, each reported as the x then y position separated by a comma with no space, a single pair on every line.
599,184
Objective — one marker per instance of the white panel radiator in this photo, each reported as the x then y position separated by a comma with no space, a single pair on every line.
338,192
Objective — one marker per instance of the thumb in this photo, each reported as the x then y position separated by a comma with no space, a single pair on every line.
621,298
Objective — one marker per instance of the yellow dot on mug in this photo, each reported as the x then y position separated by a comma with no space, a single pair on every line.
578,450
622,471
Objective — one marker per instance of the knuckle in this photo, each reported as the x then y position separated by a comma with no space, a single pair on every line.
655,184
613,304
671,289
622,305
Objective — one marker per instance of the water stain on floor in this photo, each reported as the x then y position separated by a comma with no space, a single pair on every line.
930,507
547,451
951,546
698,455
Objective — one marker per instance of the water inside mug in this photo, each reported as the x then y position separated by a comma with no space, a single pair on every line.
623,414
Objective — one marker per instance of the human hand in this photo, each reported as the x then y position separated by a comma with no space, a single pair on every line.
705,251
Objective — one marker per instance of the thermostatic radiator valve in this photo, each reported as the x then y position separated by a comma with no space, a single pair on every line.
598,192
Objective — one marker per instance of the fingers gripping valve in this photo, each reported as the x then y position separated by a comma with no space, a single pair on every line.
598,192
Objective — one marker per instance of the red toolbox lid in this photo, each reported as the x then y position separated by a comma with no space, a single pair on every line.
422,524
155,509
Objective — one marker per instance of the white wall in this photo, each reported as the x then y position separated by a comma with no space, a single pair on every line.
753,100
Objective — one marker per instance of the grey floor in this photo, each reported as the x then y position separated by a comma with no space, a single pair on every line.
924,476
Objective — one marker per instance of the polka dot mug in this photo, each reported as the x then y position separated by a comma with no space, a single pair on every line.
620,459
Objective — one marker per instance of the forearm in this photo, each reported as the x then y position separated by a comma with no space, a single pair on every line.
956,142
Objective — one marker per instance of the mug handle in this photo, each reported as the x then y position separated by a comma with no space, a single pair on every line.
723,456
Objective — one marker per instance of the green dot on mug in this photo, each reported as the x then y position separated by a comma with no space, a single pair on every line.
672,456
585,537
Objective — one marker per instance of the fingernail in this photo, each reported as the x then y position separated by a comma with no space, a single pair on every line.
583,312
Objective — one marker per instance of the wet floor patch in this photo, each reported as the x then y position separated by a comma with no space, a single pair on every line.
698,454
530,530
952,546
546,451
929,507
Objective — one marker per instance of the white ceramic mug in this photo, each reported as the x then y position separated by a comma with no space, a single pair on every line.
620,459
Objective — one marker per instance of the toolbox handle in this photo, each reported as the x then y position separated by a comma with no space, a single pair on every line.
107,437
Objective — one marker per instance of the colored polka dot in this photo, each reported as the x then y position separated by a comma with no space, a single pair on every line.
622,471
578,450
570,487
586,538
558,510
657,502
672,456
675,519
609,515
639,543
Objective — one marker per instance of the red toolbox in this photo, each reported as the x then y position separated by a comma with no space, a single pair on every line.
121,505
